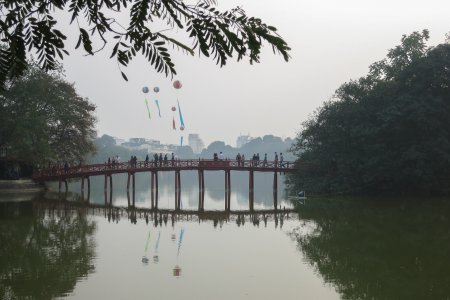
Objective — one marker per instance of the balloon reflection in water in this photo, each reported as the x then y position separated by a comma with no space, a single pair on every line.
177,268
177,271
156,257
144,257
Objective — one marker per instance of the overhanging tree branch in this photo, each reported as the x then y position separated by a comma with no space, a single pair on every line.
29,26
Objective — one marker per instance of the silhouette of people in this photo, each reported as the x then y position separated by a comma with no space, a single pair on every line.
155,158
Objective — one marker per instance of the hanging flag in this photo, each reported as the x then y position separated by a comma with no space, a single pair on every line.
173,123
157,105
181,142
181,116
148,108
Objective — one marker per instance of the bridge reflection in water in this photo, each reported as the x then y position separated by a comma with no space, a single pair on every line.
160,217
84,172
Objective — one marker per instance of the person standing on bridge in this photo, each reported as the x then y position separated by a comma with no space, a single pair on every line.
146,160
173,159
220,155
238,158
281,161
276,159
265,159
155,160
160,159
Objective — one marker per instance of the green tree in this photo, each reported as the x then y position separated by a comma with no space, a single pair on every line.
31,26
44,119
386,132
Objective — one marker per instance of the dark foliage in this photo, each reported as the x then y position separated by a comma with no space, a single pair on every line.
31,26
386,132
43,119
43,252
376,248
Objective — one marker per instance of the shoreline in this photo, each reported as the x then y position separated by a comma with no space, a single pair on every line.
25,186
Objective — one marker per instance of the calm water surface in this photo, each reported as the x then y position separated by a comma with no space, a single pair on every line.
55,247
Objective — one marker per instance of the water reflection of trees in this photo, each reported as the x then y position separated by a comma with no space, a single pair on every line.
373,250
43,251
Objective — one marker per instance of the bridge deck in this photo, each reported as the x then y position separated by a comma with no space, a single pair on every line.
175,165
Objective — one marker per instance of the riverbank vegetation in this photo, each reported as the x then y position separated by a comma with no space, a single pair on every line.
387,132
44,120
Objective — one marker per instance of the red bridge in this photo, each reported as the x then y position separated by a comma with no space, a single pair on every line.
85,171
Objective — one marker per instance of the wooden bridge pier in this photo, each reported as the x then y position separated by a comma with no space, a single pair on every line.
250,189
227,190
60,181
110,188
131,175
154,189
201,190
88,187
177,190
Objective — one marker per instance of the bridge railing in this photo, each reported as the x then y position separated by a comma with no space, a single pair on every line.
129,166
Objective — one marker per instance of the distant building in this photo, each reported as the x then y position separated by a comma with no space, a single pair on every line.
118,141
196,143
140,141
151,146
242,140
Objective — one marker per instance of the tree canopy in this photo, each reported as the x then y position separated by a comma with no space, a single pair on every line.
43,119
388,131
32,26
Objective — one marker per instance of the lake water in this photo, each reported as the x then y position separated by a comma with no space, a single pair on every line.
62,247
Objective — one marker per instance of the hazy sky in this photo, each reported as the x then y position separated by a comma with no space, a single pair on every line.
332,42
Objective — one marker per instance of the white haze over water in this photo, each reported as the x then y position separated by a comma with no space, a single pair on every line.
332,42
